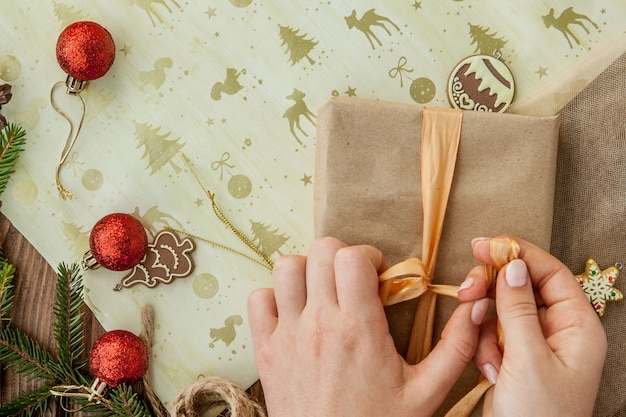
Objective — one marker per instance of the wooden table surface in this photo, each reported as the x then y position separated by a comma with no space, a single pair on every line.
34,288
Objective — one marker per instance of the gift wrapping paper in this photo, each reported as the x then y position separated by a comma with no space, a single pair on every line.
235,86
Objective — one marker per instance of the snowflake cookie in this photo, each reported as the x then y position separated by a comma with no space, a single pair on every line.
599,285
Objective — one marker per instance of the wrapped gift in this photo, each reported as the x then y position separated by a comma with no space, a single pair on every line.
369,191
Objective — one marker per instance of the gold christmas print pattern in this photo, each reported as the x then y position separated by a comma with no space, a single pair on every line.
154,216
30,117
240,3
156,76
25,191
298,46
67,14
76,238
293,113
239,185
267,240
157,147
486,43
205,285
228,333
149,6
365,23
599,285
566,18
422,90
10,68
230,85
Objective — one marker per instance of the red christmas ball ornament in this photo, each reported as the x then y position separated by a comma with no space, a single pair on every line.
117,242
118,357
85,50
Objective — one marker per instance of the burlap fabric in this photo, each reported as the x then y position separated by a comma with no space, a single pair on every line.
590,207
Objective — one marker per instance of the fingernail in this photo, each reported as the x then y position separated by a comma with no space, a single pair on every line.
469,281
490,372
478,240
479,310
516,273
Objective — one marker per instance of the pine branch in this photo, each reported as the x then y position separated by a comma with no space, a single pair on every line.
12,140
31,404
7,272
121,401
68,324
19,351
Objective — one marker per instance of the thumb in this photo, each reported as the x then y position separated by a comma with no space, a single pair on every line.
517,309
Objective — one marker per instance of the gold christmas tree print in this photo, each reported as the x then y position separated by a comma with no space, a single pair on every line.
157,147
76,237
298,46
486,43
67,14
268,241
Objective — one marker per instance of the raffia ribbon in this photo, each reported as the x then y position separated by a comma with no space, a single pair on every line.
441,133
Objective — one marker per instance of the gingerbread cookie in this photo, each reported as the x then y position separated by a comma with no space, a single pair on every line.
167,258
482,83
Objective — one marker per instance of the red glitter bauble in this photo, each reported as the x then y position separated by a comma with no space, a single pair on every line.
118,357
85,50
118,241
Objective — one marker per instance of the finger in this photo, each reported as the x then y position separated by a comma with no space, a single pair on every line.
517,311
488,357
475,285
440,370
356,279
320,271
290,285
262,314
553,280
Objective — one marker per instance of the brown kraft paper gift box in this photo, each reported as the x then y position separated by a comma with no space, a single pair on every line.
368,191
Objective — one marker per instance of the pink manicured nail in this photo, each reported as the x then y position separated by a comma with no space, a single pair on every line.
490,372
469,281
478,240
516,273
479,310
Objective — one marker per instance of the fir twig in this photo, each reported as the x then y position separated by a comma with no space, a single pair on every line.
7,272
19,351
12,140
30,404
68,324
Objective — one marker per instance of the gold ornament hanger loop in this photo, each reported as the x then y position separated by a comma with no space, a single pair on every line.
74,90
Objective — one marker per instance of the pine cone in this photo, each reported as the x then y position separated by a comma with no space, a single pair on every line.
5,97
5,94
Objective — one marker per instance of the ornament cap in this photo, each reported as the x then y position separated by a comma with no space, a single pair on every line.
89,262
74,86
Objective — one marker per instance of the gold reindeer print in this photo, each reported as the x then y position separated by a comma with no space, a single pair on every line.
156,76
148,7
566,18
230,85
365,23
154,216
293,113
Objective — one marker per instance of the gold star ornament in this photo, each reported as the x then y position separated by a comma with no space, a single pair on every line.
598,285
